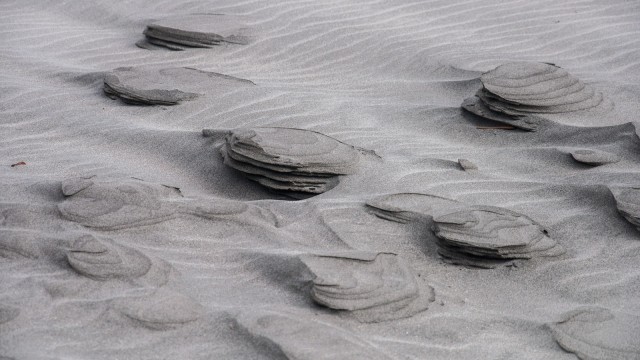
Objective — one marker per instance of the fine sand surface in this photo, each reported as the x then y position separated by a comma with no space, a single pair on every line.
124,235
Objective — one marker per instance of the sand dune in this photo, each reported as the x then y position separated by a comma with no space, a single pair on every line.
123,234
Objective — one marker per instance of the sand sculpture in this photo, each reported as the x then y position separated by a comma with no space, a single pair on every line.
116,204
167,86
472,235
482,236
294,162
372,286
196,31
160,309
516,93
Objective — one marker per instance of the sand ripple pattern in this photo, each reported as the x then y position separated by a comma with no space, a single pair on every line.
383,75
299,339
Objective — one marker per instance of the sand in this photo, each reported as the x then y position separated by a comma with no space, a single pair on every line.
123,234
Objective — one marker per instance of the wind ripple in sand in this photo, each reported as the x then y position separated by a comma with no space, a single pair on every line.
299,338
152,86
120,204
20,244
373,287
160,310
599,334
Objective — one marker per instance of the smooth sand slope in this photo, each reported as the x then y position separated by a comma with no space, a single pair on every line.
427,233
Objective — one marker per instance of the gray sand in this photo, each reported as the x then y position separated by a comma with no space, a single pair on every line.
126,234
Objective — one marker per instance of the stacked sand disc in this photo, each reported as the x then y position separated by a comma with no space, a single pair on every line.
513,92
485,236
196,31
295,162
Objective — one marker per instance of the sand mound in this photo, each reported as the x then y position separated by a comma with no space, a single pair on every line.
599,334
160,310
196,31
170,86
372,286
483,234
512,92
628,204
291,161
594,157
105,260
118,204
478,236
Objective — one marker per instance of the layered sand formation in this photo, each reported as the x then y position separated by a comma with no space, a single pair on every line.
471,235
513,93
484,235
169,86
373,287
293,162
196,31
